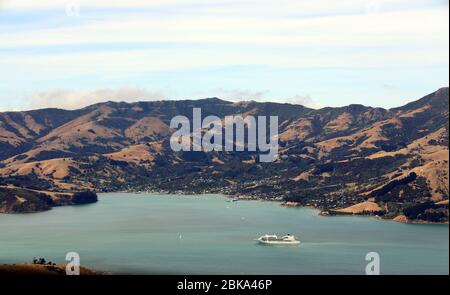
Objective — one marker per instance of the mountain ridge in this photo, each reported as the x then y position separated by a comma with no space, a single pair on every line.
212,99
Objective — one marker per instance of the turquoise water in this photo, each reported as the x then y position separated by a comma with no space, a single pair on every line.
166,234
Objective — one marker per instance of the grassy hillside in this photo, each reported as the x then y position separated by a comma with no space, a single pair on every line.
331,158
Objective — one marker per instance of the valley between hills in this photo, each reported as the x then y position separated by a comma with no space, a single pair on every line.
348,160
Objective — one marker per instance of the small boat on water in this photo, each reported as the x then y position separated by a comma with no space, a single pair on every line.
275,240
232,200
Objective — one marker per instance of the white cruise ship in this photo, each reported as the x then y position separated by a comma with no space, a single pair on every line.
275,240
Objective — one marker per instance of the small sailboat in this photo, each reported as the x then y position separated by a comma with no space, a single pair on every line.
233,200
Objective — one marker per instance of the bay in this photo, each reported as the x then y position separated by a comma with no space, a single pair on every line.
173,234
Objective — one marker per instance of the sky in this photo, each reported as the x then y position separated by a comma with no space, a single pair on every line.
69,54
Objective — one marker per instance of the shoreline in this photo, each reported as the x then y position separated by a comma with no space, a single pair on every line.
284,204
242,197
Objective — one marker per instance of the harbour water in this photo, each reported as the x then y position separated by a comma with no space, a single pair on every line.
172,234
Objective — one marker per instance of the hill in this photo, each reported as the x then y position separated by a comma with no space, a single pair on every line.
20,200
331,158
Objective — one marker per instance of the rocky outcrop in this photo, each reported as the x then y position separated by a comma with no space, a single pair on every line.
401,218
19,200
364,208
85,197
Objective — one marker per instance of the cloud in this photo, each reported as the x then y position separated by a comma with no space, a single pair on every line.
261,96
161,42
324,34
74,99
306,101
236,94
